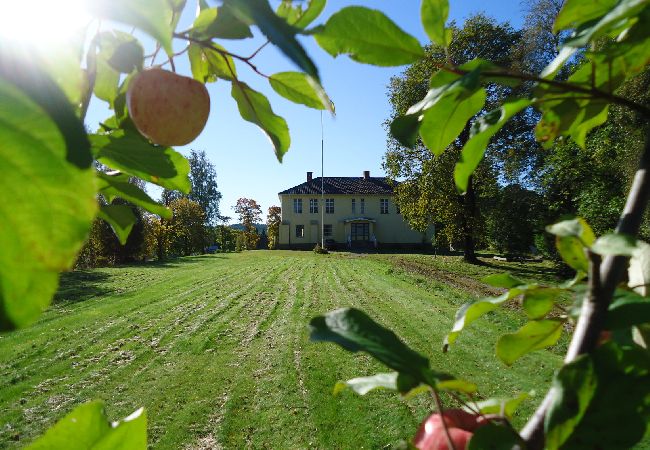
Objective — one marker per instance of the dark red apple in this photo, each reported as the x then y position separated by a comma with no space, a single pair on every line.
167,108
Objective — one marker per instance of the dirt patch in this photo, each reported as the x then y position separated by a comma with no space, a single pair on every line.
454,280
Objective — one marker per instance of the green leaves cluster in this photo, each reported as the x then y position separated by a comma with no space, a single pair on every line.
586,392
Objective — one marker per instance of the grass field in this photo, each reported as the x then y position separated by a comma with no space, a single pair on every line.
216,348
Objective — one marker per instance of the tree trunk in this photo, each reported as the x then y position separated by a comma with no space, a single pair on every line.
469,213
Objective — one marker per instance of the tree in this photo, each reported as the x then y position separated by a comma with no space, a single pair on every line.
273,220
250,213
515,217
204,185
204,191
429,194
187,227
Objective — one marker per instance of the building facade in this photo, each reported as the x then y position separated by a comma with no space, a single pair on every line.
357,212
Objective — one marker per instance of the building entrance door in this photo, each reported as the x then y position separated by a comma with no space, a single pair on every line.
360,232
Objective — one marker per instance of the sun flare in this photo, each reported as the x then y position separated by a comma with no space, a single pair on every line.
41,22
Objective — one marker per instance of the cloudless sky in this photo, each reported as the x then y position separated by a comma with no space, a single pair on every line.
355,140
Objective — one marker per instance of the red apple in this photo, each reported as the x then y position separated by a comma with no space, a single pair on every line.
460,424
167,108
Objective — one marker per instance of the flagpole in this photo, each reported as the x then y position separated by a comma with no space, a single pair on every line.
322,183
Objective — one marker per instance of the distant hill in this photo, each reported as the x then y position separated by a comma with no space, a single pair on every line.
261,227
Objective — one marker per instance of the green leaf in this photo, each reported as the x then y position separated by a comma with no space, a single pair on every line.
481,133
28,76
208,64
505,406
627,309
639,269
121,51
48,202
363,385
576,12
355,331
368,36
281,34
120,218
502,280
456,385
107,81
469,312
573,237
255,107
88,428
219,23
299,17
112,186
434,16
577,228
130,153
442,124
572,390
406,129
615,244
533,336
538,303
151,16
444,111
621,16
495,436
300,88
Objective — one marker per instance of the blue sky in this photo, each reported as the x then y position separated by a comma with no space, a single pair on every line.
355,140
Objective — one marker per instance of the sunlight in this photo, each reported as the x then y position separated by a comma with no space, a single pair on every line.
41,22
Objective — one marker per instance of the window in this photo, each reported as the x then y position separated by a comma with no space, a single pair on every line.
313,206
363,205
327,230
297,205
300,231
383,206
329,206
354,206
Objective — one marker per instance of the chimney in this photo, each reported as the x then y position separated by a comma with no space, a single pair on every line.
366,174
309,176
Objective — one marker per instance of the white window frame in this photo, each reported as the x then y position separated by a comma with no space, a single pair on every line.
297,206
383,206
329,206
313,206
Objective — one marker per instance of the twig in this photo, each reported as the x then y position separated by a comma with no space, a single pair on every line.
208,44
254,54
436,399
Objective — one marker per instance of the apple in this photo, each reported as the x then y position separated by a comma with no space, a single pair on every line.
167,108
460,424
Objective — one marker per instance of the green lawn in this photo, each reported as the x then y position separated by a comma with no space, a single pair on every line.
216,348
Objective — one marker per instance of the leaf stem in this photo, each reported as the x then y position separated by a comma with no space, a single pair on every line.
438,402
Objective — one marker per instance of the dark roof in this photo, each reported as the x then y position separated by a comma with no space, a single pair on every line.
343,185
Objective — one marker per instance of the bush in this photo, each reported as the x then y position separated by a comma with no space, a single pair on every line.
320,250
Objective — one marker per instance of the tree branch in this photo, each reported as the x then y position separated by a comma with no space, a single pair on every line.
602,284
566,87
